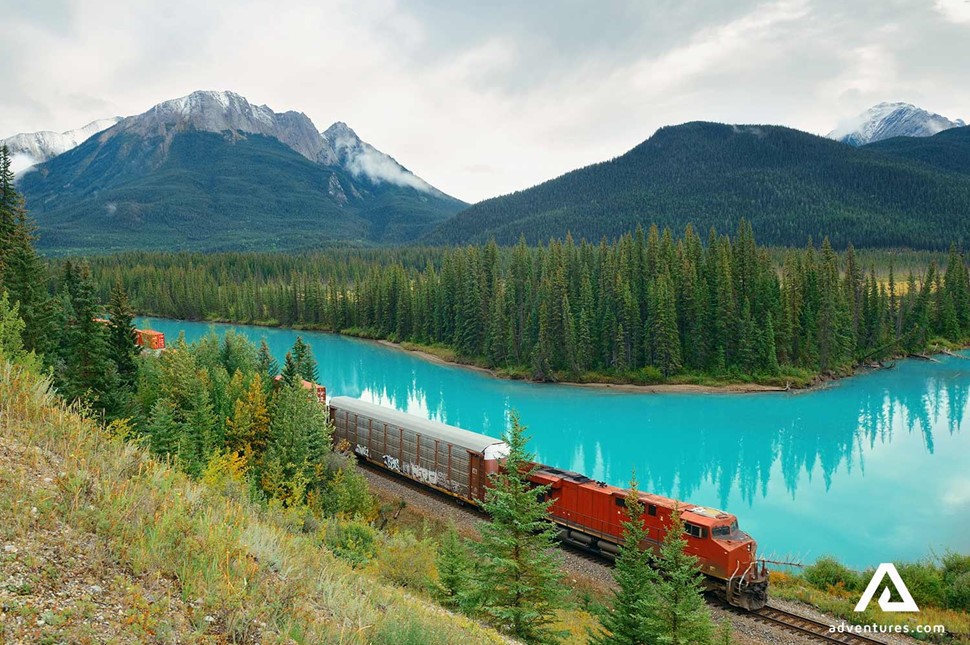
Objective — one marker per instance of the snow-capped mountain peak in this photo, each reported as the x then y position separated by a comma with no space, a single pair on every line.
887,120
211,111
31,148
228,112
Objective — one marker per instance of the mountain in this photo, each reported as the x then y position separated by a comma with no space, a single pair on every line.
29,149
888,120
790,184
211,171
948,151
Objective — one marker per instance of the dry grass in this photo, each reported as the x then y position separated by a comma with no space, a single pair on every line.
178,560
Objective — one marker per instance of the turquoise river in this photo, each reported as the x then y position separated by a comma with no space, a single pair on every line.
874,468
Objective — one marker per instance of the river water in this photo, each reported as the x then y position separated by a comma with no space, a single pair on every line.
874,468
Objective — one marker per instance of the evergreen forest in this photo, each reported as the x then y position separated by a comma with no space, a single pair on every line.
647,308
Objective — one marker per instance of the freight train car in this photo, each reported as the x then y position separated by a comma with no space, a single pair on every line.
591,515
449,459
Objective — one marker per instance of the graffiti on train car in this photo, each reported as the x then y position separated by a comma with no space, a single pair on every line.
363,451
420,473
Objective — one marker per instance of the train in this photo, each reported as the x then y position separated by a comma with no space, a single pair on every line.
588,513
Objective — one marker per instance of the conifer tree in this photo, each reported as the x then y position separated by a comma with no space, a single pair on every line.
299,434
121,335
265,362
675,611
306,367
291,371
163,429
665,334
625,623
85,350
518,577
22,272
11,328
454,565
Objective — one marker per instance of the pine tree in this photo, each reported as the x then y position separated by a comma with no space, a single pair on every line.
11,330
265,363
164,433
454,565
665,333
542,369
85,350
675,612
624,623
518,577
23,274
306,367
121,335
199,440
299,434
291,371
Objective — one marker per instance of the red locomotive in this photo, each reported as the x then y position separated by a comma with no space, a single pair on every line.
589,513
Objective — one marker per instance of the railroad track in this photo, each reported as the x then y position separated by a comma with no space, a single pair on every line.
801,624
768,615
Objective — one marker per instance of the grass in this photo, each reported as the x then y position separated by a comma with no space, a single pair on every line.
238,572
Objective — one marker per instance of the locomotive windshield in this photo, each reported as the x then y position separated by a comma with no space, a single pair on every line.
726,531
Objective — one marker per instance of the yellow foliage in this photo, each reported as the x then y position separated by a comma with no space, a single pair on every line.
121,429
248,429
225,467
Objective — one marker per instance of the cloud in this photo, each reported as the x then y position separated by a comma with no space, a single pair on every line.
957,11
378,167
21,163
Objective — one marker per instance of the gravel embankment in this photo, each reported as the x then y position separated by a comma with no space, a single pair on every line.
747,630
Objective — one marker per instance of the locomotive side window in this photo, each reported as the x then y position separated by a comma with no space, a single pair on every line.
694,530
652,509
621,501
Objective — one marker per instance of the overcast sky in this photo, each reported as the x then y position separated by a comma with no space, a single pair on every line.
483,98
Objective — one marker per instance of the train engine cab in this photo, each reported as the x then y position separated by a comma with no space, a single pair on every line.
591,515
730,555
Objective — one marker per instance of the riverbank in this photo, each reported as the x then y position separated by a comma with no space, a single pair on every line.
438,357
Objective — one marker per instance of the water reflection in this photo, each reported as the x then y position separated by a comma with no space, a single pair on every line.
873,468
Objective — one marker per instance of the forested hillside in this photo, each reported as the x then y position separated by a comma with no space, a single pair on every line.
646,308
790,185
949,150
208,191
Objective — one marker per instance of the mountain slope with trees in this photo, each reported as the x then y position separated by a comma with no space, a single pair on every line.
790,185
211,171
212,192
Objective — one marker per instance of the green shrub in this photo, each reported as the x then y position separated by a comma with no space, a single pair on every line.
956,578
345,491
925,583
407,561
827,572
353,541
648,375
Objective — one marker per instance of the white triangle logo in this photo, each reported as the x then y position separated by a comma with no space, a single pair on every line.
906,604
